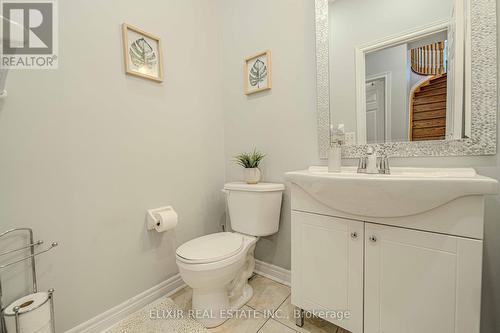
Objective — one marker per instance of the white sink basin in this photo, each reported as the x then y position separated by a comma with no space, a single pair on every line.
406,191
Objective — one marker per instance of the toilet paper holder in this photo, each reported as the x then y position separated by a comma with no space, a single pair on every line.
152,220
32,244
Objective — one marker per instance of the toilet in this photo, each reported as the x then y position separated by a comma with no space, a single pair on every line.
217,266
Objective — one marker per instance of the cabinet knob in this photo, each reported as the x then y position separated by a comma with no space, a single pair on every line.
354,235
373,239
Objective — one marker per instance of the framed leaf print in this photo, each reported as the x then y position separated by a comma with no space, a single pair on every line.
143,53
258,72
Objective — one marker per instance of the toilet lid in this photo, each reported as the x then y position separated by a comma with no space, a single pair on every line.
211,248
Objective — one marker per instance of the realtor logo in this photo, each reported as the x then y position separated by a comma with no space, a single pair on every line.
29,34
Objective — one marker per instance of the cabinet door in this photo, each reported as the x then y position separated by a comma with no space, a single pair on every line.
327,267
420,282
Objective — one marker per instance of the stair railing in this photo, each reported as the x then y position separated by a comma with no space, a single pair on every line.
429,59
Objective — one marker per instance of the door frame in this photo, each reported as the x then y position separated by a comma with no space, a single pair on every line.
387,76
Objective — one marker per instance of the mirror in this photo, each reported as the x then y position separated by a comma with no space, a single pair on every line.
412,78
394,69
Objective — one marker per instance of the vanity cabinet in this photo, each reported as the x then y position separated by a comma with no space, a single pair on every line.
395,274
401,253
420,282
327,267
389,279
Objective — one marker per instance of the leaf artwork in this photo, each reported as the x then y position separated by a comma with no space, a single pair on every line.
142,54
258,73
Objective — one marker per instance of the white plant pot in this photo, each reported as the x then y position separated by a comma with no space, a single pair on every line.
252,175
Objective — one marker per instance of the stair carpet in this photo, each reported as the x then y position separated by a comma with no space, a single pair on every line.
429,110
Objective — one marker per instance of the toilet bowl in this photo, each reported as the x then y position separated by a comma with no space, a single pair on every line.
219,278
217,266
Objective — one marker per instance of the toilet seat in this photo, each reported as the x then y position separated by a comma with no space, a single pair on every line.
211,248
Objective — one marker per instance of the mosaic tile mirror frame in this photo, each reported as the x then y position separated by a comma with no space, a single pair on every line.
482,90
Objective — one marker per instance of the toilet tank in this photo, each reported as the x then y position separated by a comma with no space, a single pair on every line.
254,209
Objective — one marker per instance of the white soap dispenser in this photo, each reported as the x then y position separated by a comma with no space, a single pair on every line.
335,151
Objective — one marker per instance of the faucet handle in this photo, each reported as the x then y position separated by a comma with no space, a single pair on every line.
384,167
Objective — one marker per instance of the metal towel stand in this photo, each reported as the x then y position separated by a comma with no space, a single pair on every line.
32,244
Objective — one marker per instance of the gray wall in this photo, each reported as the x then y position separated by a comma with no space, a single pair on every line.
282,122
393,60
85,150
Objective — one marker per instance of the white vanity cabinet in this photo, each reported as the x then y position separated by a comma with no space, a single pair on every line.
327,267
408,280
410,269
421,282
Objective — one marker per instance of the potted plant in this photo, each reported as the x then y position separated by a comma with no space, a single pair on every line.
250,161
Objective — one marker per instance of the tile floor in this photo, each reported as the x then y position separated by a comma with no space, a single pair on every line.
269,297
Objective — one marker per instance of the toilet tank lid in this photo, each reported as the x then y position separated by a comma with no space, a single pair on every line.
260,187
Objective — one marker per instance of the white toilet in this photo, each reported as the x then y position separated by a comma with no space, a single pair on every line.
218,266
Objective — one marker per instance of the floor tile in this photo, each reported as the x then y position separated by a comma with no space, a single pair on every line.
267,294
248,323
311,325
272,326
183,298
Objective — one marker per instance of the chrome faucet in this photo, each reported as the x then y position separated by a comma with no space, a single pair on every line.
371,164
384,167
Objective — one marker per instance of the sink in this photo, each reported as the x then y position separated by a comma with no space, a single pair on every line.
405,192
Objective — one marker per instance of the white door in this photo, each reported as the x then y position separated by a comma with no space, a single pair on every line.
375,111
327,267
419,282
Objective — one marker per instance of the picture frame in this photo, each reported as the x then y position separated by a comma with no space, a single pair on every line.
143,53
258,72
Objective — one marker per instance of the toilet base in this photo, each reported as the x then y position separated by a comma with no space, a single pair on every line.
216,301
230,298
222,289
243,299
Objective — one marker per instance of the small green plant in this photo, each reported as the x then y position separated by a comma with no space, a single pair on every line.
249,160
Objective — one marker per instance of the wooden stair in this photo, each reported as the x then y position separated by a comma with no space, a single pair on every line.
428,110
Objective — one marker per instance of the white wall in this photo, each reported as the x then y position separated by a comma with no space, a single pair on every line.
282,122
394,61
357,22
85,150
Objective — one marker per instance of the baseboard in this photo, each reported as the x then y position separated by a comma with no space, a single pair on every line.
273,272
168,287
112,316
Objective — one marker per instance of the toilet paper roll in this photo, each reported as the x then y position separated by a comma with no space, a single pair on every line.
165,220
34,314
46,329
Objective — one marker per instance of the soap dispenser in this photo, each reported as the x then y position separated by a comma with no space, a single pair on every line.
335,151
